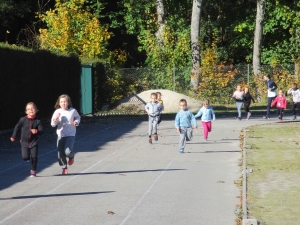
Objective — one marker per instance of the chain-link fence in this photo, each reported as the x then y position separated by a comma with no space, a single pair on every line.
178,79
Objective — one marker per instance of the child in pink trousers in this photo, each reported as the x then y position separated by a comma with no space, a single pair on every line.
280,102
207,115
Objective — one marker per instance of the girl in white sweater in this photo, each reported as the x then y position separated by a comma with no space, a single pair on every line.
238,96
66,119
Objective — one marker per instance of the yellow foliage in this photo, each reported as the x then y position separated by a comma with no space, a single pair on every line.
72,30
216,83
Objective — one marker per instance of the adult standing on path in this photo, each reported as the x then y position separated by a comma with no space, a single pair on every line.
271,93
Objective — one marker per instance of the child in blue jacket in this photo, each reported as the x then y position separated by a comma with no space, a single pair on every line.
183,124
207,115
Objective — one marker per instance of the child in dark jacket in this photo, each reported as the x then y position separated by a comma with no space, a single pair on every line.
247,102
280,102
30,127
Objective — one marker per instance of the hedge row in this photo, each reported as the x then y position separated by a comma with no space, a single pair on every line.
39,77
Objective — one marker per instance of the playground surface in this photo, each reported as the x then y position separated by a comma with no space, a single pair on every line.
119,178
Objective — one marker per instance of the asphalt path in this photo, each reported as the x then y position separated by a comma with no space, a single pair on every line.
119,178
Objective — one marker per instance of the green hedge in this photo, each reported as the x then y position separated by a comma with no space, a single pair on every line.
39,77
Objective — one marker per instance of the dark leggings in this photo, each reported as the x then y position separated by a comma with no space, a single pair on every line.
280,112
27,152
294,106
270,100
246,107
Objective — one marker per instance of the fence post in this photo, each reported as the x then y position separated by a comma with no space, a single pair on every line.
174,79
248,74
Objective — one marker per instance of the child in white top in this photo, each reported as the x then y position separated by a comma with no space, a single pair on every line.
66,119
238,96
296,99
153,109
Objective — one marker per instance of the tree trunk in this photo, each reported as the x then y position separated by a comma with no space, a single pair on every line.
195,31
160,20
261,5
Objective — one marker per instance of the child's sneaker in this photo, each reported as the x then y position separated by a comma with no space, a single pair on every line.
71,161
64,171
155,137
264,117
32,173
181,150
150,140
294,118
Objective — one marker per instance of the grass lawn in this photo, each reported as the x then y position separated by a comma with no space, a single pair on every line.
274,186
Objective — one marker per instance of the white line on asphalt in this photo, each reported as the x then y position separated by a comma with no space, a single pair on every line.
31,203
40,156
144,195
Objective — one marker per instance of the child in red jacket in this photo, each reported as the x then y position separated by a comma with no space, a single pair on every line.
280,102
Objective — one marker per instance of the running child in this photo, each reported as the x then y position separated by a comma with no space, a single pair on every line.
154,109
183,124
207,114
238,96
66,119
296,99
280,102
160,102
247,102
30,127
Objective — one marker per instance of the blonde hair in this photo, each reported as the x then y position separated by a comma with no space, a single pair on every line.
206,102
57,106
31,103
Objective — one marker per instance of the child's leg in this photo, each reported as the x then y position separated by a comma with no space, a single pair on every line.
159,120
281,113
209,126
294,105
150,126
189,134
62,160
298,107
25,153
182,139
205,129
34,157
69,146
154,124
279,110
239,108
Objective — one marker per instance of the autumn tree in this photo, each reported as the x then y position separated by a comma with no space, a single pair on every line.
73,30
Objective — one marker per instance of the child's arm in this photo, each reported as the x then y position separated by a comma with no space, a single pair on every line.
194,121
274,102
16,129
147,108
284,103
213,114
76,118
199,113
177,122
39,130
55,118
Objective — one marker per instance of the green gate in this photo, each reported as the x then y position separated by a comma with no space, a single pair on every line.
86,89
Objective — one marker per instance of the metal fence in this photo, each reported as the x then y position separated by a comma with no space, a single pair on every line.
178,79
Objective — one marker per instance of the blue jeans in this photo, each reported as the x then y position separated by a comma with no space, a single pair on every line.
65,149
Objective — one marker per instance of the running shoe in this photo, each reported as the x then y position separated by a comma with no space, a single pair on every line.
64,171
71,161
32,173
